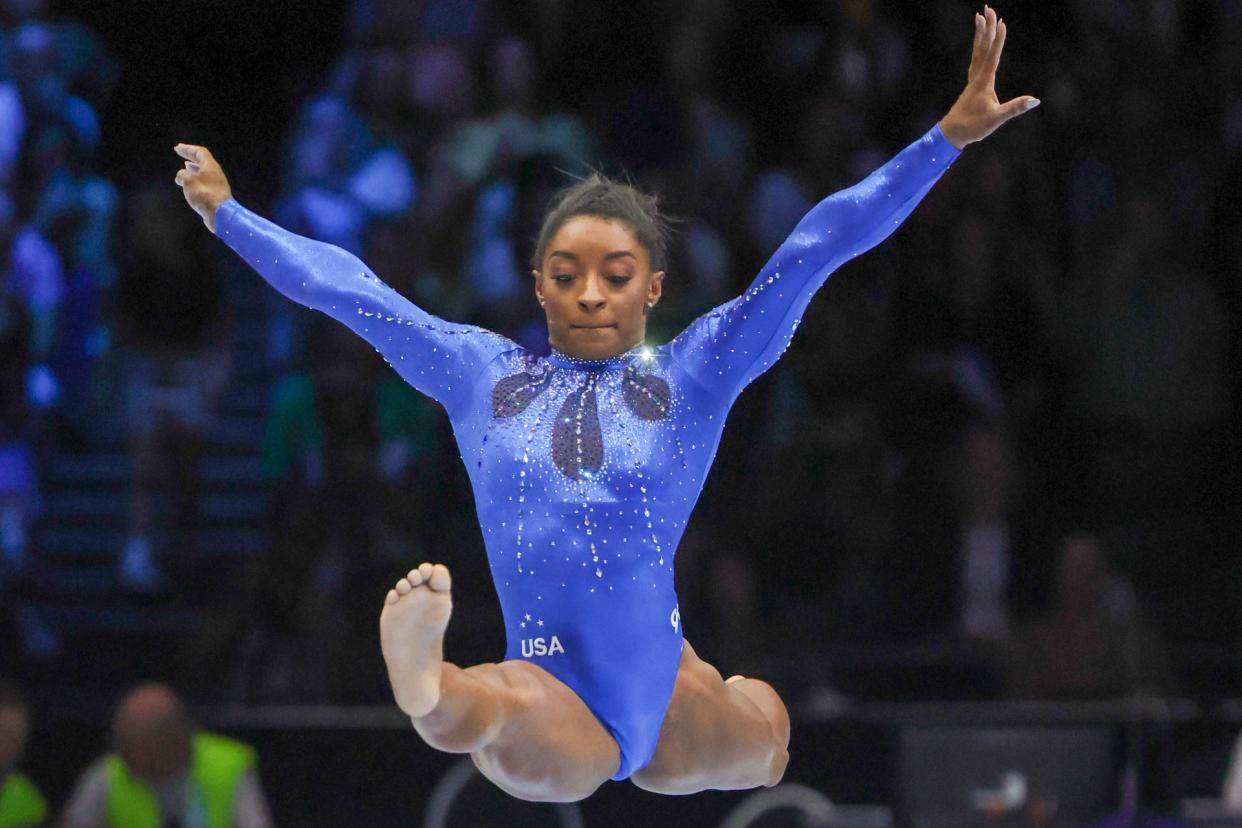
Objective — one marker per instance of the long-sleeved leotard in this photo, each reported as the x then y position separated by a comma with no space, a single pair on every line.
585,472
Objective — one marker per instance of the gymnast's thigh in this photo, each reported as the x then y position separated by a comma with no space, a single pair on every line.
710,738
550,747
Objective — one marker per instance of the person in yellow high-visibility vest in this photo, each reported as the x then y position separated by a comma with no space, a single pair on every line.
164,772
21,803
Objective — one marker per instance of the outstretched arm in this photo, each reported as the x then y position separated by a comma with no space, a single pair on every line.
729,347
439,358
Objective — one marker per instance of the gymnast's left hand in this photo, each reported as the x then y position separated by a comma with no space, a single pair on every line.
977,113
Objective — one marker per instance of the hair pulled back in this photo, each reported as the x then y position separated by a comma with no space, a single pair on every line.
600,196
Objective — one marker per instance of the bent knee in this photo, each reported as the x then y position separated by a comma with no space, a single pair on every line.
776,768
526,777
769,703
763,765
660,778
448,740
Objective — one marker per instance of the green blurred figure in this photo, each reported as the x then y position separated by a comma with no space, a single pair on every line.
21,803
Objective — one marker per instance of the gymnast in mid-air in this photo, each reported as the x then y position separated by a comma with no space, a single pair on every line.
586,464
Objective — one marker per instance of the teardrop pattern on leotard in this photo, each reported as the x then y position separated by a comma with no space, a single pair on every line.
512,394
577,444
646,396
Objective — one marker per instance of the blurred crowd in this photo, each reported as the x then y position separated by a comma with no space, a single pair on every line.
1012,426
56,226
57,260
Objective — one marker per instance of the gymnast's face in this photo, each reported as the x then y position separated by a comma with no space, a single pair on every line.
595,284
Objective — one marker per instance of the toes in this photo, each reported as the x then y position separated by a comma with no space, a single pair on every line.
392,597
434,575
440,579
732,679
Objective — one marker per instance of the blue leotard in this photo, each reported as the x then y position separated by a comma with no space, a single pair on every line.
585,472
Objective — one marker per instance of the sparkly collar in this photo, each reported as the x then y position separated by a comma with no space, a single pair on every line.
611,363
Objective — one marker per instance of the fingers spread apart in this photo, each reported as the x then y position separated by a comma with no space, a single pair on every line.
994,52
984,53
979,47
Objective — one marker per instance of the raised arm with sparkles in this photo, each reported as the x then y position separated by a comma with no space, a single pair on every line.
727,348
439,358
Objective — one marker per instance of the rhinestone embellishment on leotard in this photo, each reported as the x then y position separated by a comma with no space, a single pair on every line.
577,444
513,393
645,395
577,439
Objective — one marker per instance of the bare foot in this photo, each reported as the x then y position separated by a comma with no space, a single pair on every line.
416,613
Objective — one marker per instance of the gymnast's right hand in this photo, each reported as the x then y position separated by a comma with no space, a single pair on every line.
202,182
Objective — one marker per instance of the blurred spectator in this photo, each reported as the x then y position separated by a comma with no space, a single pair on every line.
61,211
34,277
45,94
345,433
513,129
472,176
165,771
1093,642
353,452
711,188
173,322
1150,386
1231,791
19,495
12,130
985,559
339,181
21,803
19,485
74,211
82,57
338,176
508,209
281,637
